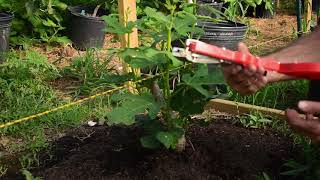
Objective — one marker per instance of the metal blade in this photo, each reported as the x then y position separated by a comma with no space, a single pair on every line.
194,57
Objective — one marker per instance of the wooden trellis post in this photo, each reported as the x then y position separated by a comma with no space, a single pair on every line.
308,15
128,12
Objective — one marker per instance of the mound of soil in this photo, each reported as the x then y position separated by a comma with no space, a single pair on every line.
220,150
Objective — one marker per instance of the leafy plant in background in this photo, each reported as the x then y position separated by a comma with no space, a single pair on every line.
269,6
110,5
38,19
235,9
164,124
239,8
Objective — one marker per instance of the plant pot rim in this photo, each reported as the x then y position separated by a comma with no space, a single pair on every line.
73,11
6,16
211,3
219,25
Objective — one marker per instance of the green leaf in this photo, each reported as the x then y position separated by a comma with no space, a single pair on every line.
202,78
61,40
28,175
143,57
114,26
170,139
188,101
159,16
130,105
266,176
184,22
150,142
60,5
174,61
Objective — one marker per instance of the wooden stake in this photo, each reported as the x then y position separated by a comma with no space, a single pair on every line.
128,12
309,14
241,109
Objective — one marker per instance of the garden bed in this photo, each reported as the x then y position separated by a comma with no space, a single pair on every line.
220,150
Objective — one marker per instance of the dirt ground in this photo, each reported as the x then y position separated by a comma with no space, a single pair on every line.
222,150
267,35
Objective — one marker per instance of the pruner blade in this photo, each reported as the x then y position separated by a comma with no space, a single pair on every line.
194,57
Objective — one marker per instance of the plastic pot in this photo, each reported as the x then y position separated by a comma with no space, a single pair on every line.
223,34
262,12
5,24
86,31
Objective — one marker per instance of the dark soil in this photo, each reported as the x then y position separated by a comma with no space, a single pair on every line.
221,150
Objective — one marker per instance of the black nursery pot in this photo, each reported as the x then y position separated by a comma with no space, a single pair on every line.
5,24
223,34
86,31
262,12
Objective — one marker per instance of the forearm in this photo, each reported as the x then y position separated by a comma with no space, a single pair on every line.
305,49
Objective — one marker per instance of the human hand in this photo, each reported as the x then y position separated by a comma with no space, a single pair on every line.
246,80
309,126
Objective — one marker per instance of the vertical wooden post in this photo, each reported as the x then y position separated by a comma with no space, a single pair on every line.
278,4
308,15
128,12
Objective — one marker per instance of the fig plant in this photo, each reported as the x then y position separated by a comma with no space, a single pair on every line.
177,87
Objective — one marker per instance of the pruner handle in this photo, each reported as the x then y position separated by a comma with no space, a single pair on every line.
230,56
305,70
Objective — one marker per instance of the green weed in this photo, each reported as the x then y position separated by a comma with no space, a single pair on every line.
29,161
29,176
255,120
264,176
94,73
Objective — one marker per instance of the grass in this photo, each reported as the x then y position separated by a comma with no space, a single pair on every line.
278,95
25,89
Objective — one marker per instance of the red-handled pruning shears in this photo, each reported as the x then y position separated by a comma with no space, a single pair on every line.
200,52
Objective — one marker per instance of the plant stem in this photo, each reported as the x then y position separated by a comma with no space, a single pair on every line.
167,68
95,12
166,77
